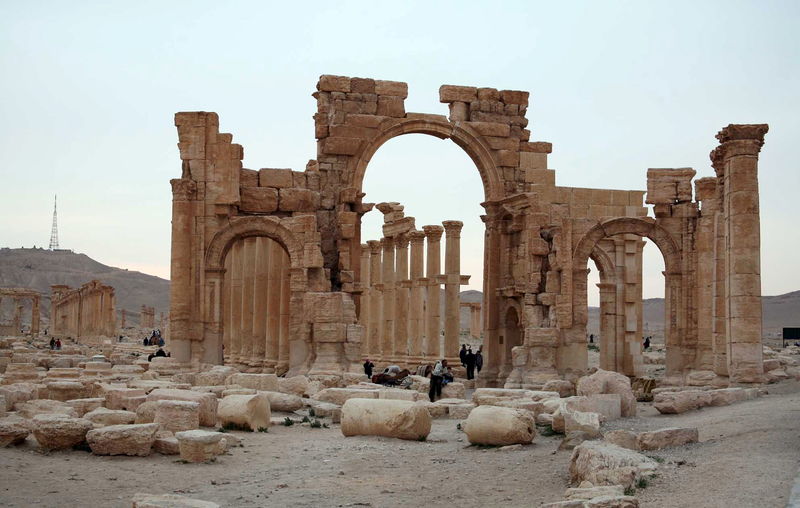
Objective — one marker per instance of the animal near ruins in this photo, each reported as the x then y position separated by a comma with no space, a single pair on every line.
270,272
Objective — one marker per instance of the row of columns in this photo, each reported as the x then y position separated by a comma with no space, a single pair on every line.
85,312
256,305
400,304
147,317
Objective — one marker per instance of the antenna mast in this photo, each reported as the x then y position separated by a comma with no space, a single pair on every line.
54,230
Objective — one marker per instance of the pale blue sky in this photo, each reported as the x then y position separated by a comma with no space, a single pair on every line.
89,90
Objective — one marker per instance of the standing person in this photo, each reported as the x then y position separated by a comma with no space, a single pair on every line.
591,338
469,359
479,359
436,381
58,344
647,342
52,343
462,355
368,366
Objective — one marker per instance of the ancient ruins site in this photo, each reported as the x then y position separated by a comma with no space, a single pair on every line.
262,394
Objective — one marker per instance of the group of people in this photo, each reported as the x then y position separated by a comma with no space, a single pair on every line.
471,360
158,353
55,344
155,339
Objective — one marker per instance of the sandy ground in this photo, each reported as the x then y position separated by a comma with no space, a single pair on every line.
748,457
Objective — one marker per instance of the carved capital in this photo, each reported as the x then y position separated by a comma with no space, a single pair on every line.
741,140
452,228
183,189
416,237
433,233
374,247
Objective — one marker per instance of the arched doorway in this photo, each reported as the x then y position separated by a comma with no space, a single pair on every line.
510,337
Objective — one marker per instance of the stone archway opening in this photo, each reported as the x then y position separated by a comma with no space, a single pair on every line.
256,305
410,178
510,337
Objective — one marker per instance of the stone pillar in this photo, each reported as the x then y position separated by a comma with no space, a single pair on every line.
248,283
402,286
260,296
452,288
181,284
632,363
608,316
364,307
388,299
720,323
705,193
273,306
375,324
35,316
416,320
433,319
17,319
285,292
236,301
740,146
492,256
227,298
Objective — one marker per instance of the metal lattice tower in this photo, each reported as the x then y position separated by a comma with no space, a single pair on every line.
54,230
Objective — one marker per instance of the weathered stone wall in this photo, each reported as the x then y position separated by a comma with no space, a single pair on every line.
84,313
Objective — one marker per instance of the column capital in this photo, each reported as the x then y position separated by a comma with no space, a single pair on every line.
433,233
401,241
741,140
452,227
387,242
416,237
183,189
374,246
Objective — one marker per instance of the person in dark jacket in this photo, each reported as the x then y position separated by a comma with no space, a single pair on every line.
479,359
469,360
462,355
368,366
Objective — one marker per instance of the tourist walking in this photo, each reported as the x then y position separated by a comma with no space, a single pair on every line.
437,376
463,355
368,366
469,360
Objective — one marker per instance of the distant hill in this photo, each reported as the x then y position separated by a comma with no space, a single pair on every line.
39,269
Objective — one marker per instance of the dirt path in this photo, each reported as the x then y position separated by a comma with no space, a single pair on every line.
748,457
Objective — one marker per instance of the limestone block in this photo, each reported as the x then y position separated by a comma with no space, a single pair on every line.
207,401
17,392
283,401
13,430
237,391
58,432
393,88
453,93
604,381
66,390
603,463
665,438
261,382
726,396
134,440
146,413
400,394
258,199
680,402
573,439
216,376
252,411
700,378
587,493
330,83
608,405
217,390
459,411
623,438
563,387
115,396
296,385
388,418
339,396
102,417
528,405
499,426
177,415
199,445
169,501
83,406
298,200
453,390
579,421
166,445
45,406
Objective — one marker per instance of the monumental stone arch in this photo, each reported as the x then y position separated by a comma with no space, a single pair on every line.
339,297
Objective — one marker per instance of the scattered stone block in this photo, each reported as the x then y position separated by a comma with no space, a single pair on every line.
134,440
284,402
296,385
83,406
102,417
579,421
166,445
604,381
260,382
207,401
250,411
13,431
623,438
563,387
680,402
66,390
388,418
339,396
199,445
58,432
177,415
45,406
169,501
606,464
499,426
665,438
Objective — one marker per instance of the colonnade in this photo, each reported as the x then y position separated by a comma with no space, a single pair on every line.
87,311
400,303
17,296
147,317
255,300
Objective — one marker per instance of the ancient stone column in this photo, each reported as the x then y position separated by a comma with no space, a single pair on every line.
35,316
261,296
452,287
720,323
364,314
416,302
705,193
375,271
475,320
402,286
248,284
740,146
433,320
285,292
236,301
388,305
274,306
227,297
184,191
